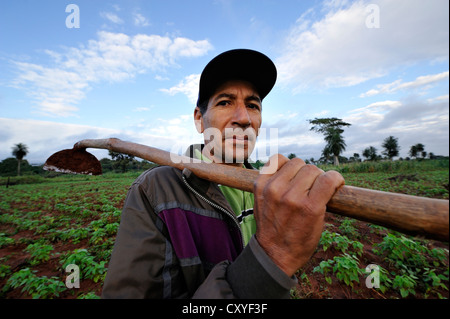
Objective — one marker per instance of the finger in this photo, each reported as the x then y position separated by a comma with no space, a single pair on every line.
305,178
269,169
285,169
280,183
325,186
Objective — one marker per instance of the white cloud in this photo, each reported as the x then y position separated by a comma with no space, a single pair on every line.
142,109
113,57
56,90
112,17
44,138
339,50
188,86
372,114
140,21
420,81
413,120
441,98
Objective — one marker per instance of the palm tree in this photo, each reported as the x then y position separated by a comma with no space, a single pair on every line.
332,130
370,153
335,143
19,151
391,148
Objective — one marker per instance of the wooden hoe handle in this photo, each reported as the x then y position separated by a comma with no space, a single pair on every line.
412,215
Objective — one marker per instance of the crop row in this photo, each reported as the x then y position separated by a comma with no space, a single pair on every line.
405,267
65,221
45,227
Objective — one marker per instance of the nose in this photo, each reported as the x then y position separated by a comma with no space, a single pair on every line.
240,116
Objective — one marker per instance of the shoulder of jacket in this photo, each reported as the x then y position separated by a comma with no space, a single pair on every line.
158,174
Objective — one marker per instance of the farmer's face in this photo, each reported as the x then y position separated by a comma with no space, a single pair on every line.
231,122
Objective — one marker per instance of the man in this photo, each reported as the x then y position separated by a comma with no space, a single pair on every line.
184,237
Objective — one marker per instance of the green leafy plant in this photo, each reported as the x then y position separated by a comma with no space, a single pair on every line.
402,251
406,283
435,282
88,295
413,265
385,280
5,270
5,240
348,228
340,242
38,252
345,268
89,268
38,287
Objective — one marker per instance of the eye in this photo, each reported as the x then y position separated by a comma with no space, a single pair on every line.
223,103
253,106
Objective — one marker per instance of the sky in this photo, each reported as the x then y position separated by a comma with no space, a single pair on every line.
77,69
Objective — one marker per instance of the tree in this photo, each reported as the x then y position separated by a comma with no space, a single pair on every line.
355,158
121,161
335,143
413,151
370,153
332,130
258,164
107,164
19,152
8,167
391,148
292,155
419,148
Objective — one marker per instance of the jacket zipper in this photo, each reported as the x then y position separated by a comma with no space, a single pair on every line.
232,216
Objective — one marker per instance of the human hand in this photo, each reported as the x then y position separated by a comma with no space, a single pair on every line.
289,209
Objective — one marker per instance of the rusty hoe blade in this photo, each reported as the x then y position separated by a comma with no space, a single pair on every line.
74,161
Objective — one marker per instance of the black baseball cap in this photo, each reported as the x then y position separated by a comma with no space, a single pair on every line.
239,64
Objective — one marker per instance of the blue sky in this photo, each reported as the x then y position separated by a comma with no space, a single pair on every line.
131,71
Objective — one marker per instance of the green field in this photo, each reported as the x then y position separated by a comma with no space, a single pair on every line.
49,223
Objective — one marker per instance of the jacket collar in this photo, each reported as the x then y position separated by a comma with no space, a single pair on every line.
206,188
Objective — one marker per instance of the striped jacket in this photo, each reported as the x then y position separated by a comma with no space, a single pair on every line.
179,238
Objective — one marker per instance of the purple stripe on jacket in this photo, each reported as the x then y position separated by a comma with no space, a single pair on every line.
195,235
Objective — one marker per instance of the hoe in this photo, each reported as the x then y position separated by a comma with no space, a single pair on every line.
412,215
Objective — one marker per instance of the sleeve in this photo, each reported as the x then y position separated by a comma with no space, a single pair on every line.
253,275
142,264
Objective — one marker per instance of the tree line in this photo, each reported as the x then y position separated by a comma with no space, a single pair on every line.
331,128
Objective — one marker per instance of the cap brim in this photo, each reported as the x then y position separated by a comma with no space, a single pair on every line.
239,64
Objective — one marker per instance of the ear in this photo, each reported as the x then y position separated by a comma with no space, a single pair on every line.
198,119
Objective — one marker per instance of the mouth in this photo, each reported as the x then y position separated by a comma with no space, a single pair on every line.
239,136
238,140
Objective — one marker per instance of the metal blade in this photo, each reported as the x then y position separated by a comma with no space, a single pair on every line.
74,161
